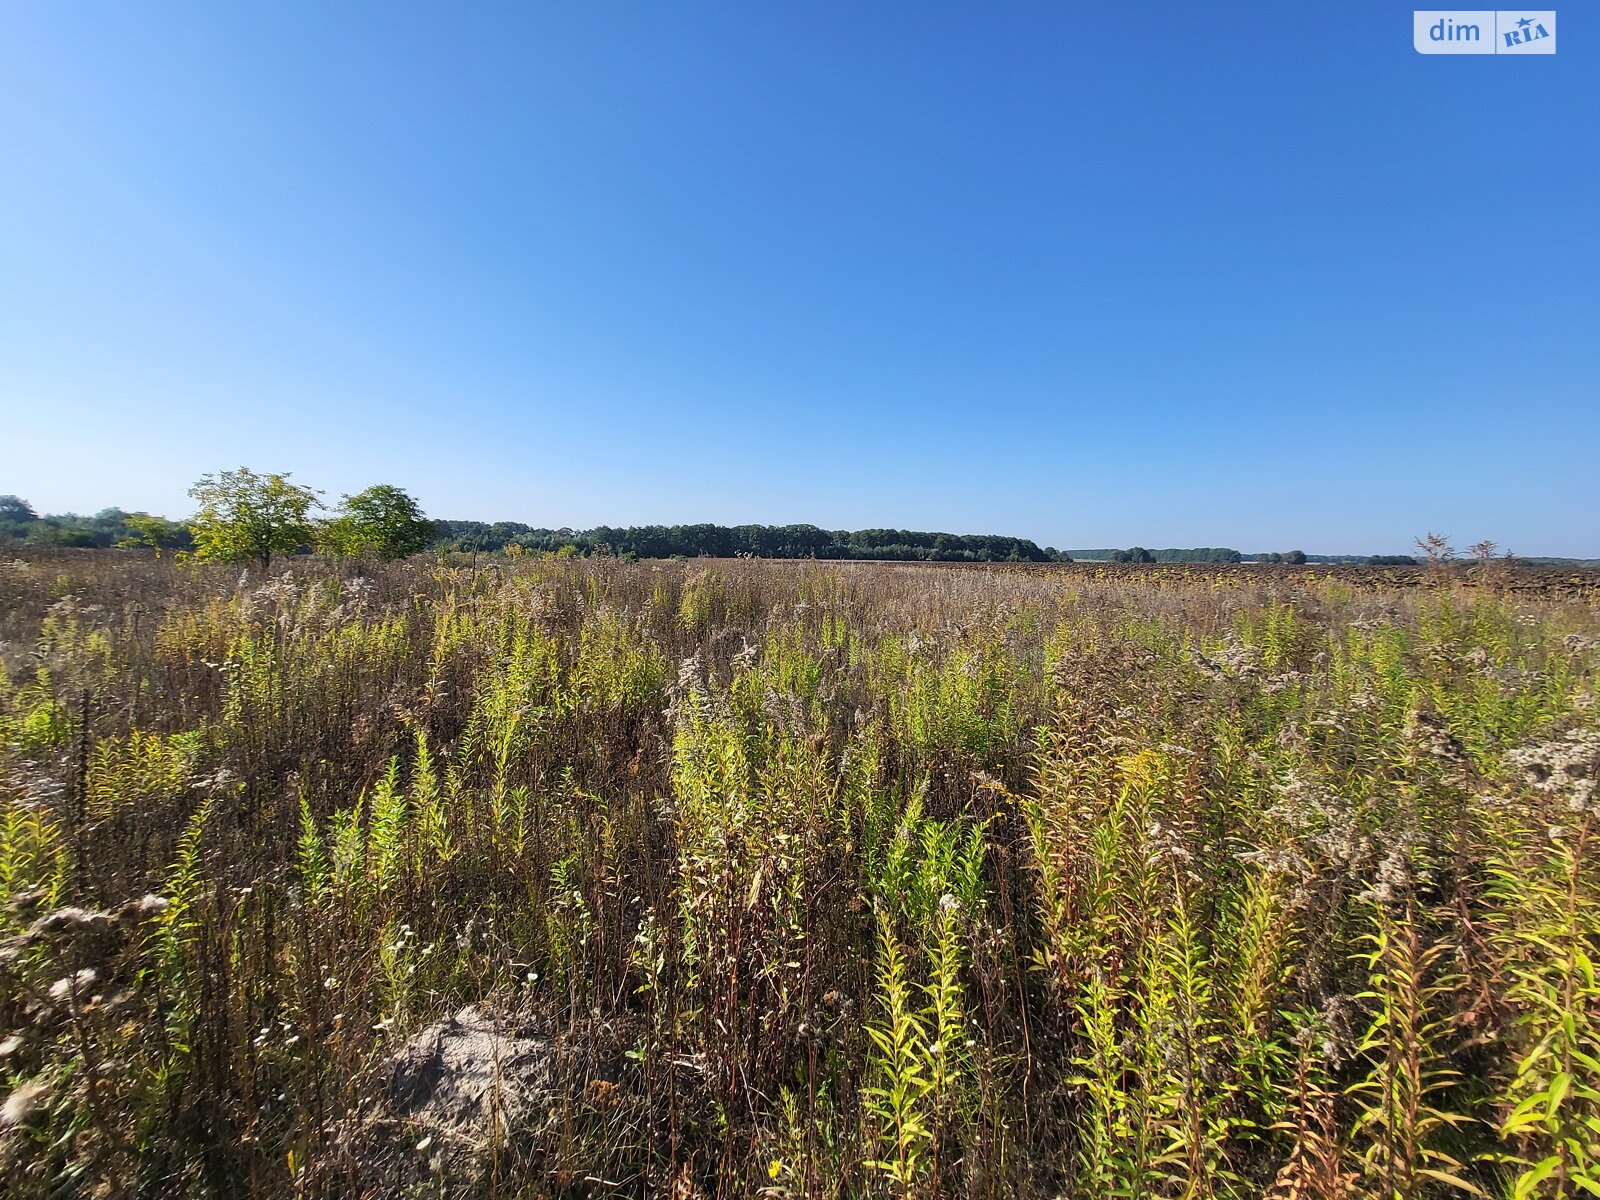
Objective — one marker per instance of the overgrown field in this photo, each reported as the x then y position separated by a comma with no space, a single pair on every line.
789,879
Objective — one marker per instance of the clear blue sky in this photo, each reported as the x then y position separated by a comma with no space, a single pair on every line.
1247,275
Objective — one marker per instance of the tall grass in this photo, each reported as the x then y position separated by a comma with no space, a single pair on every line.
847,880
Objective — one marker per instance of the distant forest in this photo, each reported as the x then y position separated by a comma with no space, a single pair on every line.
753,541
114,527
1199,554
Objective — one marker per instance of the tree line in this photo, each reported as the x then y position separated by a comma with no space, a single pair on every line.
749,541
1138,554
245,514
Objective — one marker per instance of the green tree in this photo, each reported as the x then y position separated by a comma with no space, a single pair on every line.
16,509
248,515
16,517
154,532
382,520
1295,556
61,533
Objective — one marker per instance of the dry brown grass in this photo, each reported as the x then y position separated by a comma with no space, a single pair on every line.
797,879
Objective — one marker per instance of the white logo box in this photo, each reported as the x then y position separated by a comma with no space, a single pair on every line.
1484,31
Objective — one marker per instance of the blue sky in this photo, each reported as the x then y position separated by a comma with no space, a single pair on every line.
1246,275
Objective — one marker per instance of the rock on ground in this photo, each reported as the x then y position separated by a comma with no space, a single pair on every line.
471,1079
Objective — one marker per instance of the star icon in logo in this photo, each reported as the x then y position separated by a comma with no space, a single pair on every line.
1525,22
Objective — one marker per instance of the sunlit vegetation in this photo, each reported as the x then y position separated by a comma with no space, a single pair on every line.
823,880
